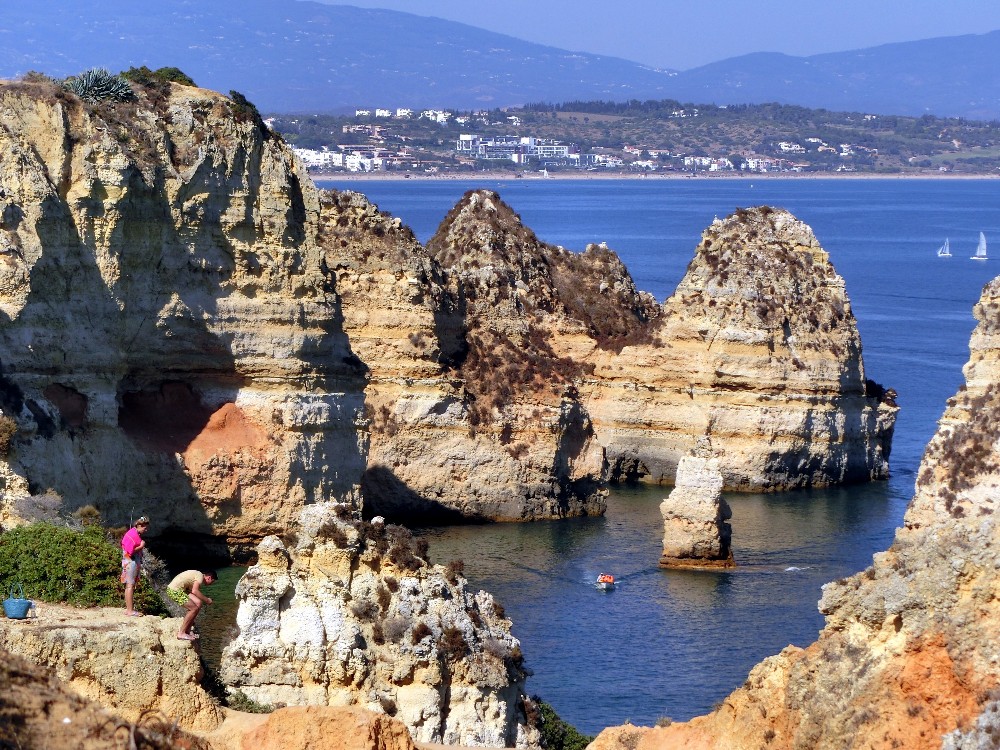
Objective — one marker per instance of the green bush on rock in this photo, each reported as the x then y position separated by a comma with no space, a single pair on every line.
58,564
556,733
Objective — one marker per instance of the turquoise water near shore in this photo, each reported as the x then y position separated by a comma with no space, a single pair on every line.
673,643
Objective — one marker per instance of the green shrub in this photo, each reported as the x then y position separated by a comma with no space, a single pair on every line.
246,111
99,85
8,428
57,564
146,77
239,701
556,733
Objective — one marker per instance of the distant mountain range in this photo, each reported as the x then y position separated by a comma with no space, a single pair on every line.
309,57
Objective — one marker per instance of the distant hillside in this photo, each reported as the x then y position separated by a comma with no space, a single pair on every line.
668,136
305,56
949,76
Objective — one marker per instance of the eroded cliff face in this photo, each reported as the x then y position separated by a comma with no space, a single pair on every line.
169,341
911,649
350,613
758,350
190,330
441,445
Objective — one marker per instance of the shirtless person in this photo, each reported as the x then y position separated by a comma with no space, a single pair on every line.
185,589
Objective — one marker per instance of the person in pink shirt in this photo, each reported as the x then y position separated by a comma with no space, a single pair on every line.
132,547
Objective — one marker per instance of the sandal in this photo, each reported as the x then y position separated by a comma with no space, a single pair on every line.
133,614
185,637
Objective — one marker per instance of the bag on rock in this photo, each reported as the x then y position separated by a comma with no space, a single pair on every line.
16,607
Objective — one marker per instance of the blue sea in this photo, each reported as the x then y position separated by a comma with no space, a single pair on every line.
674,643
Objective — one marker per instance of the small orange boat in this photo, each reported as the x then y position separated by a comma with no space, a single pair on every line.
605,581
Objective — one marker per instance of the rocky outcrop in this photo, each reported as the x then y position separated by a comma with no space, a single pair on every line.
342,728
169,343
909,652
695,532
190,330
758,350
131,665
38,711
350,613
461,425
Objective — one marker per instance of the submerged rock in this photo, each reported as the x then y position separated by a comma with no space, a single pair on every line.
350,613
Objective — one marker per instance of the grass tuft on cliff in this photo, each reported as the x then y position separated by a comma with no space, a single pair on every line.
79,567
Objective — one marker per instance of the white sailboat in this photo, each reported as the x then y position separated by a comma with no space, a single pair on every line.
981,248
945,250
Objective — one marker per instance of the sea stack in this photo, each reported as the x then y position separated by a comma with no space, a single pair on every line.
757,349
695,532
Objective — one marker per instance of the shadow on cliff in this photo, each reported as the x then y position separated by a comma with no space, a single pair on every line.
115,375
388,496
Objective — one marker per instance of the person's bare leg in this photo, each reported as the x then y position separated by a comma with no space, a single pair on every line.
129,591
193,607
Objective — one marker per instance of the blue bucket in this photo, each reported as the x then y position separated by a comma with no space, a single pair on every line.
16,606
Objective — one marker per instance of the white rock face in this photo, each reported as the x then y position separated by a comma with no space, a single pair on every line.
695,532
349,614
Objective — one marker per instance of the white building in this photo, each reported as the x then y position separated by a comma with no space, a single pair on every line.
437,115
383,113
319,159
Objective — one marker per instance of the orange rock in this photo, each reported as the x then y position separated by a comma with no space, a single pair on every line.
327,728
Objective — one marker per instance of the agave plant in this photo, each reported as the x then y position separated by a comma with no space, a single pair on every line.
99,84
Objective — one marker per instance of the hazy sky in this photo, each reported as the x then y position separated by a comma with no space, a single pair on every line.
684,34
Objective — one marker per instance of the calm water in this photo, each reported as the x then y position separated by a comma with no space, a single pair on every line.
674,643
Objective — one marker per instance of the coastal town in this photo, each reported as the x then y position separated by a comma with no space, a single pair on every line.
685,142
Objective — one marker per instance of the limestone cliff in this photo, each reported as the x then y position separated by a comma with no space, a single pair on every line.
190,330
758,350
169,342
910,651
349,613
440,444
